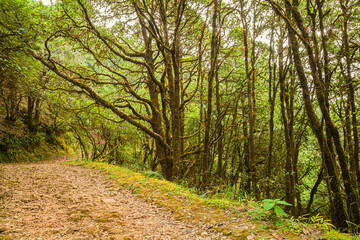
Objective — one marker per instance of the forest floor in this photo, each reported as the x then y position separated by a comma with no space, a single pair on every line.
50,200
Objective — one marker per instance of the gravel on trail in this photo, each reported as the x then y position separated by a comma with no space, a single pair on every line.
50,200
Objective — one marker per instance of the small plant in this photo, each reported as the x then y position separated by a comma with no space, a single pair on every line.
354,229
263,227
257,214
153,174
321,223
291,225
273,205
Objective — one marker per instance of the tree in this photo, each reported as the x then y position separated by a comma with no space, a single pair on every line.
322,79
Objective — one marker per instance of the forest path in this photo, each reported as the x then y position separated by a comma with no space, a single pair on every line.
50,200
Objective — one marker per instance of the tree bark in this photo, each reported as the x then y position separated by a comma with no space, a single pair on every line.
212,74
354,159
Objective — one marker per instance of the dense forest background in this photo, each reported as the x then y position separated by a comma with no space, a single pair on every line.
256,99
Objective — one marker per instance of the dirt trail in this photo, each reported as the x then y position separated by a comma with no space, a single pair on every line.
49,200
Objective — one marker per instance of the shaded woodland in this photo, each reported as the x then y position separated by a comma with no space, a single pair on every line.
257,99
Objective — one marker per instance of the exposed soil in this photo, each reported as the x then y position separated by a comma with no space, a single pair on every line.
49,200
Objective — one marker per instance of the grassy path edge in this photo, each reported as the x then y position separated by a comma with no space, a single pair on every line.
227,217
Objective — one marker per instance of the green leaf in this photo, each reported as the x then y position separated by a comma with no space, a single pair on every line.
153,174
279,211
268,206
283,203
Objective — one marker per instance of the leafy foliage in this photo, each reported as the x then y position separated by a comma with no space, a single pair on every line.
153,174
274,205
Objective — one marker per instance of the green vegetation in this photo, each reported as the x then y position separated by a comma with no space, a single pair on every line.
275,207
19,145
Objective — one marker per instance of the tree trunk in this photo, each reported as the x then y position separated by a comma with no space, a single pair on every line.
33,112
340,215
354,159
272,100
212,74
220,141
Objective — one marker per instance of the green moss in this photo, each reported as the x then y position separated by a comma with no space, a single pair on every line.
336,235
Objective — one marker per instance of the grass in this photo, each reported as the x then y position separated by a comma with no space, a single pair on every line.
333,234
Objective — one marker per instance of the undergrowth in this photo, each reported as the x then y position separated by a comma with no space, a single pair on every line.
262,212
31,147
